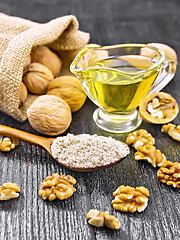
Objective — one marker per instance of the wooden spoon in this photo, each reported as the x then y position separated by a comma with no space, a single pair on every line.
46,144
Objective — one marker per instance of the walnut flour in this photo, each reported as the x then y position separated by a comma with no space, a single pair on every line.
88,151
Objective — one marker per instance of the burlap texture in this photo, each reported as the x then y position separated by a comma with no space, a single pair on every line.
17,38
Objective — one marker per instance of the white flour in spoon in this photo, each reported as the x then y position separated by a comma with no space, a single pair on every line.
88,151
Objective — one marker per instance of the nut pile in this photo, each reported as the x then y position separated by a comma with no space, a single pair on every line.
129,199
41,75
42,66
57,186
9,190
7,143
169,172
100,219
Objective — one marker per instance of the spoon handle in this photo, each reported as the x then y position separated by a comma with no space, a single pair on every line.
25,136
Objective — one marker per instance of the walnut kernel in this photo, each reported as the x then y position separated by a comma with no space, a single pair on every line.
169,173
151,154
129,199
95,218
172,130
9,190
7,143
111,221
57,186
165,128
100,219
139,138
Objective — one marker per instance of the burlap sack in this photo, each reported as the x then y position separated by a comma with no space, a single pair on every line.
17,38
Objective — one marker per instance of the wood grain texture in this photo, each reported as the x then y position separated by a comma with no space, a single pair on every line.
29,217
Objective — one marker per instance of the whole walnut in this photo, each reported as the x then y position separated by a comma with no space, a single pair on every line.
67,56
23,93
169,52
49,115
92,45
37,78
43,55
70,89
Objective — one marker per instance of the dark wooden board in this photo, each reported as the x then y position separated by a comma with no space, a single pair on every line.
29,217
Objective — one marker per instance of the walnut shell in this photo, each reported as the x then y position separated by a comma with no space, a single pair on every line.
70,89
49,115
158,108
67,56
43,55
37,78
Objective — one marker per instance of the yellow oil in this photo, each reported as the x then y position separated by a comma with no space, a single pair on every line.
119,91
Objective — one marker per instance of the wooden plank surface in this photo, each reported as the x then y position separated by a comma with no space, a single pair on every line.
29,217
